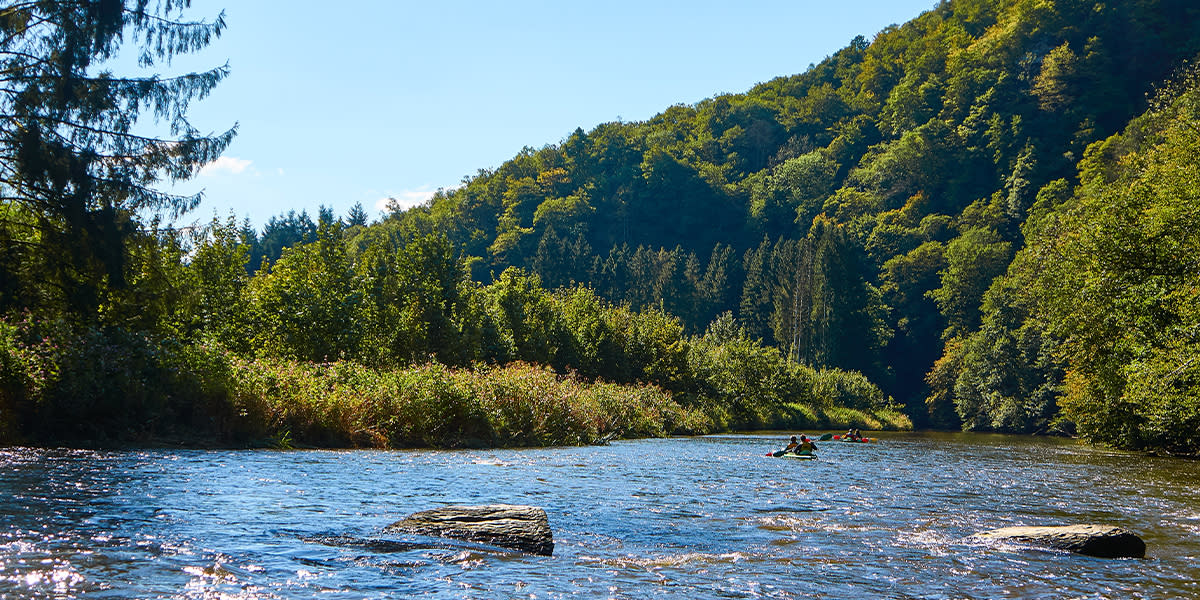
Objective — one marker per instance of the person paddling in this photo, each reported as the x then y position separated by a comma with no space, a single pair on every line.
801,446
791,447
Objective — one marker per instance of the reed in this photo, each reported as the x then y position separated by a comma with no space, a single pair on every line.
90,386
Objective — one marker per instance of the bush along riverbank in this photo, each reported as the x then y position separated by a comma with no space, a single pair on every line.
103,387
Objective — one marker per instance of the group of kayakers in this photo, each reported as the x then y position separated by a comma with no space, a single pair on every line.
804,445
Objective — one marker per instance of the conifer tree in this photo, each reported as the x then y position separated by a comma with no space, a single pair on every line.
77,175
755,307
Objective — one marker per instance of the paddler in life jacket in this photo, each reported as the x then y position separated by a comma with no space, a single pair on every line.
805,447
791,447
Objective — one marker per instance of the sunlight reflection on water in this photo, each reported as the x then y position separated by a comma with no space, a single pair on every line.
707,517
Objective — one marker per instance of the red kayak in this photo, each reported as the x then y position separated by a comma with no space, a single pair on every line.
865,440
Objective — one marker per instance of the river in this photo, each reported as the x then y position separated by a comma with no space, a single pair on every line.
706,517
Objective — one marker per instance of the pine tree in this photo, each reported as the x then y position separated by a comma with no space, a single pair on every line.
755,307
74,166
791,321
357,216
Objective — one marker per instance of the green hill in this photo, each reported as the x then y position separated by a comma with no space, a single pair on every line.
854,214
984,217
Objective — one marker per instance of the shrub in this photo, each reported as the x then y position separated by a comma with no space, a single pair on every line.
63,384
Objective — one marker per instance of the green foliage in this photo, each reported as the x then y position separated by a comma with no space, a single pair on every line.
973,260
64,383
1112,274
792,193
1056,85
357,216
813,299
434,299
218,273
60,383
77,169
305,307
524,314
156,289
941,379
430,405
840,229
531,406
280,233
907,281
1009,379
952,128
754,386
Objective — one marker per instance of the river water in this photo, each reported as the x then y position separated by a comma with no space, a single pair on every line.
707,517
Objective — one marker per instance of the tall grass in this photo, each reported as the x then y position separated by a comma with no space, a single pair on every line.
431,405
60,384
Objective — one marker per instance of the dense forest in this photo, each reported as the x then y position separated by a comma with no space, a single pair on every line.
866,214
980,219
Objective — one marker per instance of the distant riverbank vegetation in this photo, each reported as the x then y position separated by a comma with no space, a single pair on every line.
601,372
378,337
985,218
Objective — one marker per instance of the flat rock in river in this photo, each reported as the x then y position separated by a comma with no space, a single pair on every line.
524,528
1094,540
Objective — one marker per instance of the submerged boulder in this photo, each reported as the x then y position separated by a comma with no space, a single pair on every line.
1104,541
524,528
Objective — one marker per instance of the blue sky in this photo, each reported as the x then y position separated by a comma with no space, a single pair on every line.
362,100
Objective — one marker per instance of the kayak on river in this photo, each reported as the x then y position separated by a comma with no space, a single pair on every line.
809,456
799,448
861,440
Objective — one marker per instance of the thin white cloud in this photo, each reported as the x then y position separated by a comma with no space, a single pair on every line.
225,165
407,198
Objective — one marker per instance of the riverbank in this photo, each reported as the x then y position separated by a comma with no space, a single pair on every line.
114,389
343,405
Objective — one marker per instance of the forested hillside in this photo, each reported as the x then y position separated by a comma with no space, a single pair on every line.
985,217
853,215
1109,282
116,329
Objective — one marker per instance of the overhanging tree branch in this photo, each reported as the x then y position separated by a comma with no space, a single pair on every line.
71,163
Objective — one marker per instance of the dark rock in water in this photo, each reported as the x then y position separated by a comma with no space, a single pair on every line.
375,544
1093,540
523,528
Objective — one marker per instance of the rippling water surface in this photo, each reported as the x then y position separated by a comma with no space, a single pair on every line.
706,517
